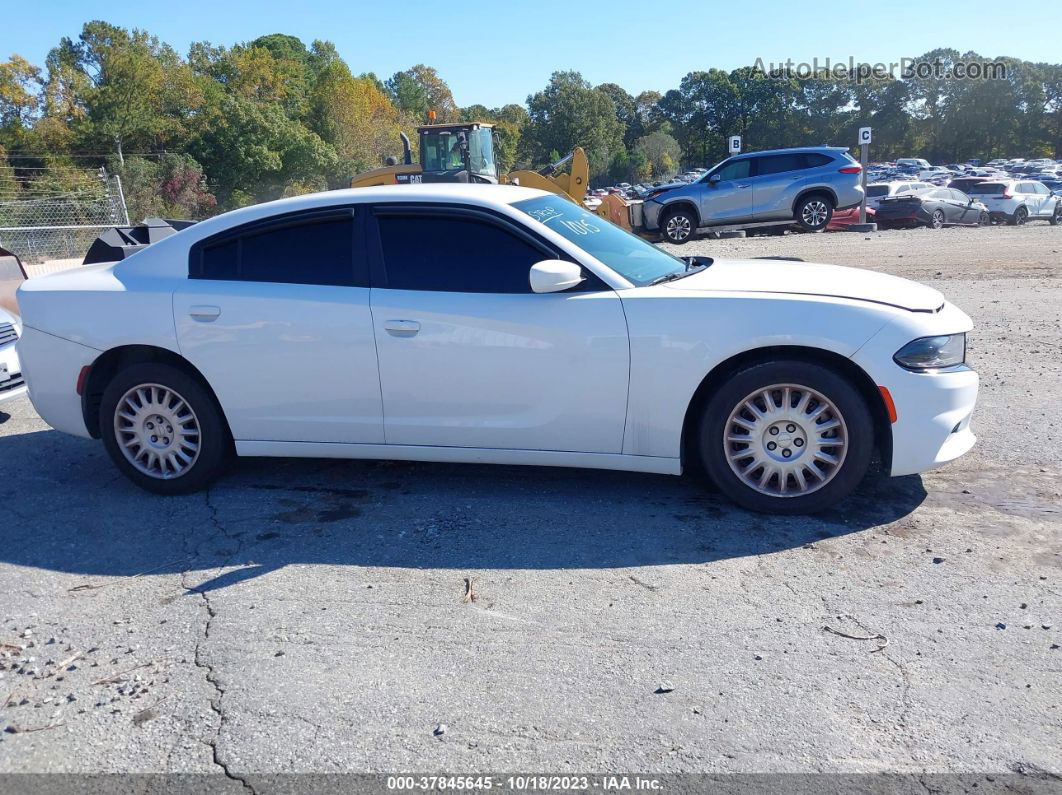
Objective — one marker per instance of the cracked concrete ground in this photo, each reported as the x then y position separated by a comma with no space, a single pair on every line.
311,615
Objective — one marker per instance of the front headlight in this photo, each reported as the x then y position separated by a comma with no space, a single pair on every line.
932,353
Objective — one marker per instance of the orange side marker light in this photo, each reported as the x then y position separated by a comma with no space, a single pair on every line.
890,406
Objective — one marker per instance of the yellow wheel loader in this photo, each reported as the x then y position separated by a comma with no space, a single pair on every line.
464,152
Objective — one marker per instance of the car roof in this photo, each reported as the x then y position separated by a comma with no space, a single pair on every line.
792,149
484,195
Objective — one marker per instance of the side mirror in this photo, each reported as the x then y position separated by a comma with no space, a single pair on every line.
555,275
715,178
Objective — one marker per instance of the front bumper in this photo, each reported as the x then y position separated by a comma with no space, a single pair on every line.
12,382
651,215
933,413
933,409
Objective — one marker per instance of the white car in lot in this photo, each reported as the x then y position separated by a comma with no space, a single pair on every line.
493,324
877,191
1017,201
12,384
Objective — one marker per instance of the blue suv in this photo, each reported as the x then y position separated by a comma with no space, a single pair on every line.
803,185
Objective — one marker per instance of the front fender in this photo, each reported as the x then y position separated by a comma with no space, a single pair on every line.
677,339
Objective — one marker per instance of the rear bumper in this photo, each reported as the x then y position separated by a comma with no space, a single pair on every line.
51,366
848,199
912,217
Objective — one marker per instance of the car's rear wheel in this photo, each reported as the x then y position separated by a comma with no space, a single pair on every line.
937,221
814,212
678,226
162,429
1021,215
984,219
786,437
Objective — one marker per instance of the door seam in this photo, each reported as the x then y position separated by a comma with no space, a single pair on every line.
379,373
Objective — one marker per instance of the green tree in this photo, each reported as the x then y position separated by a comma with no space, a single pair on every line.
626,111
661,152
253,150
570,113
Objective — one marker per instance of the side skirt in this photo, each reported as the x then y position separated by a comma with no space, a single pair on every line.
461,455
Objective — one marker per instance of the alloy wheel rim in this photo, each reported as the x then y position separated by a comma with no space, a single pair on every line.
678,227
814,213
1020,217
938,219
157,431
785,440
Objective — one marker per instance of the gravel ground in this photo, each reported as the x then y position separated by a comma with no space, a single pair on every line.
313,616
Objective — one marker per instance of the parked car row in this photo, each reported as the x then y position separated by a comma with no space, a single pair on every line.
820,188
966,200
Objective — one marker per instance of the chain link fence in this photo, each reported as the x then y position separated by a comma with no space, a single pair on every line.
48,215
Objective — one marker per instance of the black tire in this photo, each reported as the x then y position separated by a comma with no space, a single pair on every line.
1056,216
1021,215
814,212
678,225
840,480
214,442
937,221
984,219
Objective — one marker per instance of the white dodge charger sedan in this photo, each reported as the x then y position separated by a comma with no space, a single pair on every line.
493,324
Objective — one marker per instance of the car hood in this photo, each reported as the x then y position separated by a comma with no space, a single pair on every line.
806,278
670,186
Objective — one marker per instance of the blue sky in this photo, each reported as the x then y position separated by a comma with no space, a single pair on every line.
498,52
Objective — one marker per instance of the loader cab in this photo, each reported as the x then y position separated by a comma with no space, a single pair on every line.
458,153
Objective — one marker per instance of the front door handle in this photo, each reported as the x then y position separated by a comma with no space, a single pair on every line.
402,328
203,313
743,186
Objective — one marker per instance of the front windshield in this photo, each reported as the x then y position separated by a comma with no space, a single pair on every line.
636,260
481,152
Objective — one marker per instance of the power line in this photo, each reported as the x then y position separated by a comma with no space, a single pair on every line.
88,155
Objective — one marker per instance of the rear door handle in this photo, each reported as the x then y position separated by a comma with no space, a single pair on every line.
742,186
402,328
204,313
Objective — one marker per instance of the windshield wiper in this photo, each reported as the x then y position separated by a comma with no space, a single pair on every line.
693,265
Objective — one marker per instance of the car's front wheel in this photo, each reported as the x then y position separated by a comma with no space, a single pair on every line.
1056,216
678,226
937,220
162,429
786,437
814,213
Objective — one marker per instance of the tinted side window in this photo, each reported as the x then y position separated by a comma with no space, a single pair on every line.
289,250
817,159
220,261
738,169
455,254
776,164
313,253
